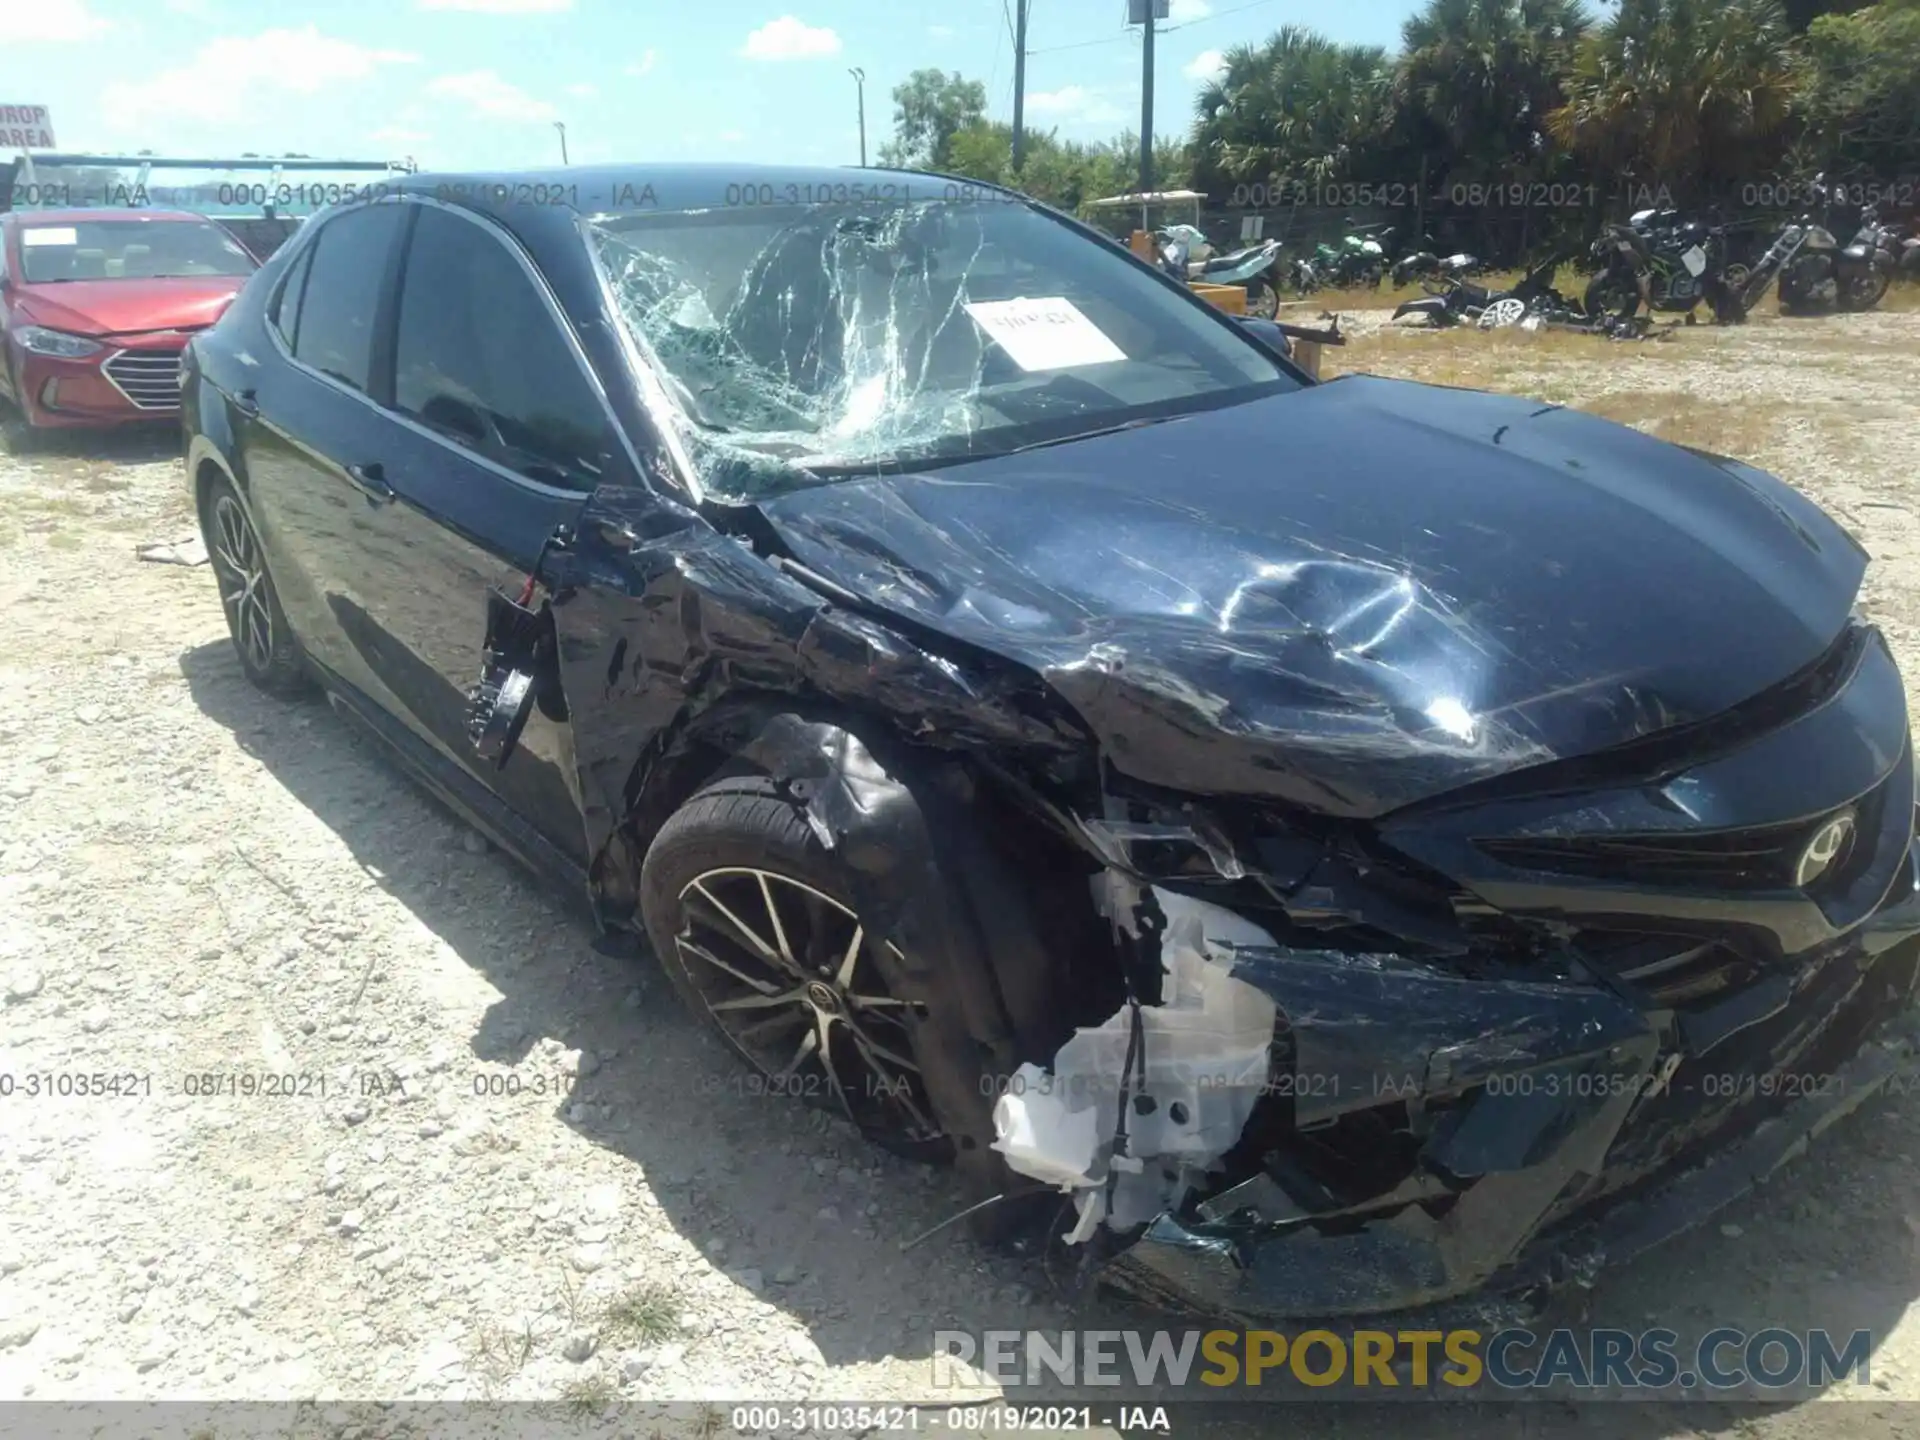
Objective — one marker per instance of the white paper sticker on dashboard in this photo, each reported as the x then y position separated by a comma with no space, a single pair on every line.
1048,333
50,235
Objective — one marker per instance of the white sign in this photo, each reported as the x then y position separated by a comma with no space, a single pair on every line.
1695,259
49,235
1048,333
26,127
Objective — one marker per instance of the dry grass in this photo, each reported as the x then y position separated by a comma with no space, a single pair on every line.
645,1313
1903,298
1633,383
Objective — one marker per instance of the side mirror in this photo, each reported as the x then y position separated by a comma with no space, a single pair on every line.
1268,333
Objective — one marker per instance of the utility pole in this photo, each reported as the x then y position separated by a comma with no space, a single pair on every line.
1146,98
561,126
860,89
1019,83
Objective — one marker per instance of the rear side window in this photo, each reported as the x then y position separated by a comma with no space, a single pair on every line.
342,293
481,359
286,305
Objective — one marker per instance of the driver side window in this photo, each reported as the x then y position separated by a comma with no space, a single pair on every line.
480,360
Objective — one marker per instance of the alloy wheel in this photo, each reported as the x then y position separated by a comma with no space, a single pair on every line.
789,975
244,588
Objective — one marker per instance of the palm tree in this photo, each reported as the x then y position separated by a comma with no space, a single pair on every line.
1298,108
1486,74
1681,93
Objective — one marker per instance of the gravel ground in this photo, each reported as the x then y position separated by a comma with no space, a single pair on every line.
508,1166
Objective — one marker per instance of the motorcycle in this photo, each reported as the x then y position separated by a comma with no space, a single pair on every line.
1667,264
1426,266
1882,241
1359,259
1425,263
1815,272
1530,297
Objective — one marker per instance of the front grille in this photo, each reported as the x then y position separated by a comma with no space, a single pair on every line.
149,378
1760,857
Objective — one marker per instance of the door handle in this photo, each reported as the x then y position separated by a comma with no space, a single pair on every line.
371,480
246,404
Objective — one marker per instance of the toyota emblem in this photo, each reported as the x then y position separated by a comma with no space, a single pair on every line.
1828,844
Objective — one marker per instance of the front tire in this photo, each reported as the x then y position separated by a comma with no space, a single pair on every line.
1607,294
1262,301
262,639
18,436
754,922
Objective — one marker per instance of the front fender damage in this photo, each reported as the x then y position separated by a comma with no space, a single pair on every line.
946,921
685,651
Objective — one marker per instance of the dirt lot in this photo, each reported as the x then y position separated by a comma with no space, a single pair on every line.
197,880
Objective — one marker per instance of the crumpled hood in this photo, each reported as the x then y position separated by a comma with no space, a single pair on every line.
126,307
1358,595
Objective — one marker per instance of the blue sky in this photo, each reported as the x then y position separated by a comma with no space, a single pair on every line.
477,83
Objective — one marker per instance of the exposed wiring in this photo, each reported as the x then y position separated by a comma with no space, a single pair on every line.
953,1220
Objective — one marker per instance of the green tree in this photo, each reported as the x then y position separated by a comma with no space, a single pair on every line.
1484,75
1298,108
1682,94
1860,102
1064,173
930,107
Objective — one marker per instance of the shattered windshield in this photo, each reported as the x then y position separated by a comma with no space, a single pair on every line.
810,343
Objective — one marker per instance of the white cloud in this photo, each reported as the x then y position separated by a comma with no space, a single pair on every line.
732,137
583,91
1074,103
499,7
485,93
51,20
789,39
1207,65
1185,12
644,65
226,79
188,7
398,135
941,32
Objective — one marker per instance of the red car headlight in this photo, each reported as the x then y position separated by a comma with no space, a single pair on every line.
42,341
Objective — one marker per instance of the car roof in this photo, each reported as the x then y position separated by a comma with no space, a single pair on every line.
683,185
542,208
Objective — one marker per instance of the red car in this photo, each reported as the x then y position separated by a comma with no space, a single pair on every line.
95,308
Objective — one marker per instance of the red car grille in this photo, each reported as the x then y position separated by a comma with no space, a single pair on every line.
149,378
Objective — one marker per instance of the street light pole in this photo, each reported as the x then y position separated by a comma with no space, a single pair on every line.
561,126
860,88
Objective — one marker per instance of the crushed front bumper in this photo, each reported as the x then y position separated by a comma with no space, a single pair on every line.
1575,1130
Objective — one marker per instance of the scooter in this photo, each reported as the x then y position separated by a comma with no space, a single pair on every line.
1254,269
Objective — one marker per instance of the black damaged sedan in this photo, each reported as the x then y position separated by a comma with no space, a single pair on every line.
1320,848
